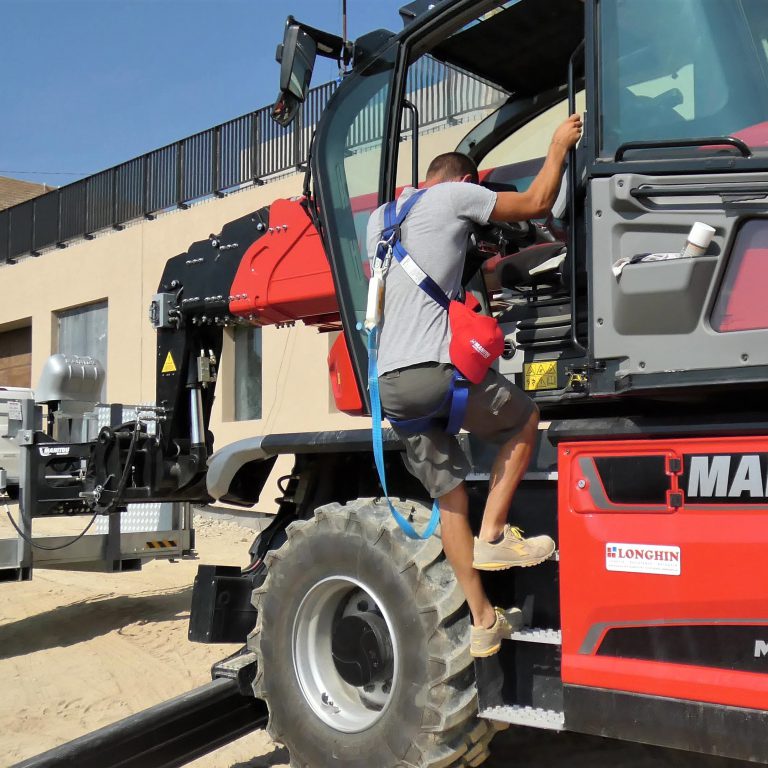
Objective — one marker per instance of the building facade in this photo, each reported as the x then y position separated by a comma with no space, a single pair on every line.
92,296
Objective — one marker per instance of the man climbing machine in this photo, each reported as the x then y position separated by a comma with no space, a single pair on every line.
426,231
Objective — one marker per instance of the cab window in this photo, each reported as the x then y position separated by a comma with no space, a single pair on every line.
680,69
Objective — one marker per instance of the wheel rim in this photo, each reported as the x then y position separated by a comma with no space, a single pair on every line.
336,616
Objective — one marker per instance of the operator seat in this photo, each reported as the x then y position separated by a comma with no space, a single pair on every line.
540,275
537,266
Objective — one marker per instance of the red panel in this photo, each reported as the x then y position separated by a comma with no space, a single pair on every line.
723,574
746,308
740,304
285,275
343,382
754,135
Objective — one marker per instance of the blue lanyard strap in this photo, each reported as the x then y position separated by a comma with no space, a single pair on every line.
378,445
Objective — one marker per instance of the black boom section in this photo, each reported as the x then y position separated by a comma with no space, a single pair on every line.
169,734
198,284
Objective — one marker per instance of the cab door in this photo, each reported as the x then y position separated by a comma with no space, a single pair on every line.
682,131
360,156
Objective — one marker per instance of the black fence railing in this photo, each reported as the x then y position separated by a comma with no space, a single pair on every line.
246,150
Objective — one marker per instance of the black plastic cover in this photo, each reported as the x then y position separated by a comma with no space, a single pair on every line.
221,605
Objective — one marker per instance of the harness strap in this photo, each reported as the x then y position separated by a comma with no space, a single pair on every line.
459,402
392,223
455,401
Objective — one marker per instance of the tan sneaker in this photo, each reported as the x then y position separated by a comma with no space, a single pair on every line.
486,642
512,550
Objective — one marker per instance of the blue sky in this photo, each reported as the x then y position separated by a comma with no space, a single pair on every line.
87,84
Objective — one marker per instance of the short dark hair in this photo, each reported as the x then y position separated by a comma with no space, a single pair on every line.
452,165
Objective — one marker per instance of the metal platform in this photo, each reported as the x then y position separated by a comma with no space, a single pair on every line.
111,552
531,716
117,542
532,635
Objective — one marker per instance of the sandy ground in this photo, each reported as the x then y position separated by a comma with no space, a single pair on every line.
79,651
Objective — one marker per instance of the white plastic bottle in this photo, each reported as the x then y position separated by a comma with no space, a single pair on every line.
375,307
699,239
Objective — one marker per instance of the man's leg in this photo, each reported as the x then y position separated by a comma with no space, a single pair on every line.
499,547
508,469
458,544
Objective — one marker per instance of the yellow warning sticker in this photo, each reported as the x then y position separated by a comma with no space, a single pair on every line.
169,366
541,375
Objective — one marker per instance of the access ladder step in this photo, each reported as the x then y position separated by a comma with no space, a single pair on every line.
533,635
530,716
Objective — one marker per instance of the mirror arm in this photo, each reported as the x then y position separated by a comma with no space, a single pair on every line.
328,45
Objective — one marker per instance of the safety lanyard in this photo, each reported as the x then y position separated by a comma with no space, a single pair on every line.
378,445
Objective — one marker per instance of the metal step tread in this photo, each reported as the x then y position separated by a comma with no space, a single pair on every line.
534,635
532,716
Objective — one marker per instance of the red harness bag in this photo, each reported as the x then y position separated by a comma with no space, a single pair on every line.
476,339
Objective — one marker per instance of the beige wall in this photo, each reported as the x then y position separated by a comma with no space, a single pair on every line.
125,267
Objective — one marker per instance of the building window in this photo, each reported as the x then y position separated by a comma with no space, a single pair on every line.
16,357
83,332
248,385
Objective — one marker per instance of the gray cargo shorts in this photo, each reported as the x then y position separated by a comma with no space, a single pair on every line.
496,411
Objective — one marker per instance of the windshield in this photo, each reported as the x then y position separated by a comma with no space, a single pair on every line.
677,69
347,163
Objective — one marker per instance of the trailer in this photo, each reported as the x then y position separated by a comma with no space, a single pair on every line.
40,467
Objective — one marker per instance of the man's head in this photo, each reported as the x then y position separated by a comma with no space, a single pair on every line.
452,166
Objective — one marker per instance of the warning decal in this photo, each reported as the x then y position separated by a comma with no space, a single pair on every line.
169,366
540,375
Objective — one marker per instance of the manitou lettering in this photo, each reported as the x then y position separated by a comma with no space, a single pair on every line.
59,450
761,649
709,479
727,476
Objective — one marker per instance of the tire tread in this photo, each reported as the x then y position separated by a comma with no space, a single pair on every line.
451,735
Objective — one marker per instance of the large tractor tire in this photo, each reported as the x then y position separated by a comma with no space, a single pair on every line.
362,645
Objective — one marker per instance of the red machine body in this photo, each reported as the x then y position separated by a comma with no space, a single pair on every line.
346,394
284,276
663,568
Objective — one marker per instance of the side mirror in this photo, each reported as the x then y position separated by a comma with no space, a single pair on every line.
285,108
297,59
296,56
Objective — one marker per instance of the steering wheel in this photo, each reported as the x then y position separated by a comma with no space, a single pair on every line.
494,241
502,238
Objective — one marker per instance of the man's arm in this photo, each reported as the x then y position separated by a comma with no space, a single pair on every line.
537,200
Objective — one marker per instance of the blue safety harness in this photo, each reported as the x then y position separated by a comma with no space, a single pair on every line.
455,401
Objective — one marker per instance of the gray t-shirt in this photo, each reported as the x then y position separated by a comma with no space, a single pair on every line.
435,233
